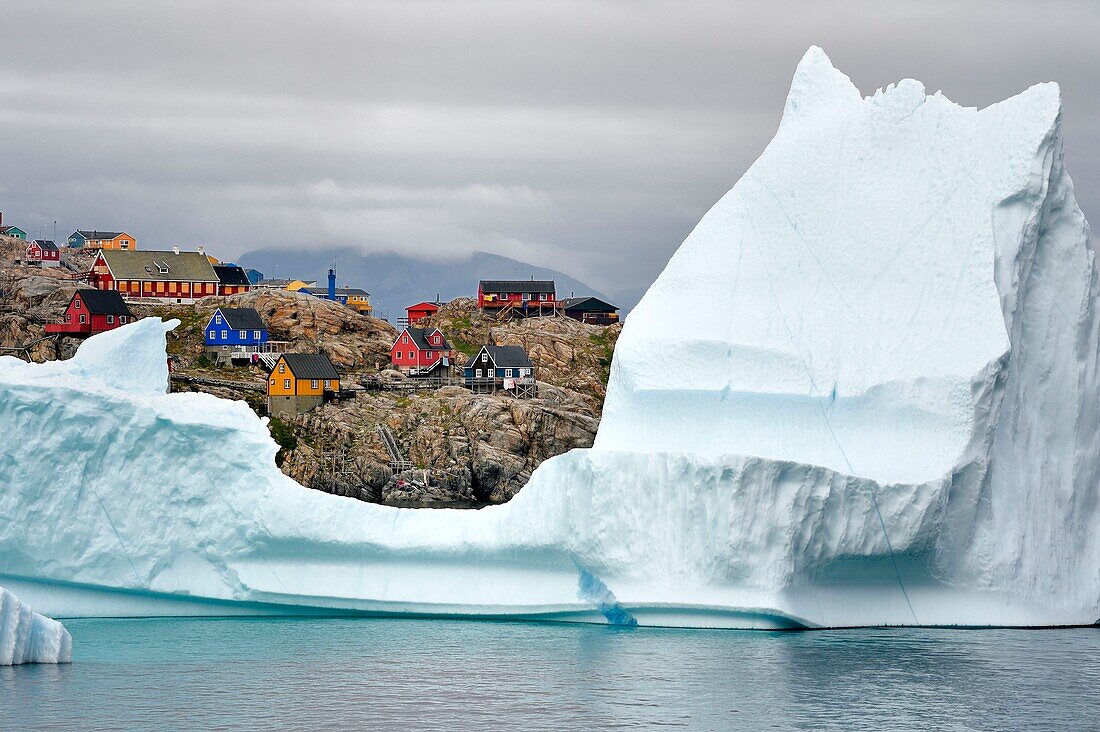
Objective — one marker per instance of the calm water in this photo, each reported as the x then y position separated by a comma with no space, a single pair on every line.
411,674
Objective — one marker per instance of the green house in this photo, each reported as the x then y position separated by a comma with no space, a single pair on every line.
13,231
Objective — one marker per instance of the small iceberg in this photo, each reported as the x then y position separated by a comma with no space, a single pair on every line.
27,637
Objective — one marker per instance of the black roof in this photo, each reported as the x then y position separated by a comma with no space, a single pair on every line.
98,235
588,305
323,291
103,302
420,338
310,366
46,244
242,318
504,357
517,285
231,274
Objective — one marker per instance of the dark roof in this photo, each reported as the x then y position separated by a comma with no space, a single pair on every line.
46,244
588,305
420,338
103,302
323,291
504,357
517,285
96,235
242,318
273,283
231,274
146,264
310,366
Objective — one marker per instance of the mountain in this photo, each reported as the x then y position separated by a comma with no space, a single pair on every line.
396,281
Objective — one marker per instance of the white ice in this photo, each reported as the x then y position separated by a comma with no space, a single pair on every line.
863,392
27,637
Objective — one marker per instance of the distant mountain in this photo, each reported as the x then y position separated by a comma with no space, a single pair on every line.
396,281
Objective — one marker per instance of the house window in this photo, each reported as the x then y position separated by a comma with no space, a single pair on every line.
478,373
225,334
508,373
430,356
244,334
76,304
273,382
484,358
218,318
213,334
256,334
110,320
286,383
326,383
122,319
160,287
412,354
526,296
543,296
313,384
282,368
83,318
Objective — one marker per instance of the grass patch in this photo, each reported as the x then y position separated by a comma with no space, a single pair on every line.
284,435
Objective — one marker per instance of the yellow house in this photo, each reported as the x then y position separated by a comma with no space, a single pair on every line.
360,303
300,382
295,285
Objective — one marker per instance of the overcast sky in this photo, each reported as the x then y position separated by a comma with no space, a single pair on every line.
586,136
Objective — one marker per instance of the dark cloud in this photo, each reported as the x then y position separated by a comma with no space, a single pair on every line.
587,136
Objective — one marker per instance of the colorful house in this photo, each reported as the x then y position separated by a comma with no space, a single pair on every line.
93,239
90,312
12,231
300,382
420,311
522,297
591,310
235,334
174,276
254,276
422,352
232,279
44,252
505,368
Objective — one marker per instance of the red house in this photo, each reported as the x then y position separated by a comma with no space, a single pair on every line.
420,311
44,252
523,297
420,351
91,312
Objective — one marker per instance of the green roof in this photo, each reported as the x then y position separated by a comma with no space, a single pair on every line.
144,264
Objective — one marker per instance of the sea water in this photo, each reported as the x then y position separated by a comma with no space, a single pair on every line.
390,674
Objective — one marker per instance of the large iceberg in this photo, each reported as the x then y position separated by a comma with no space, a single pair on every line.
27,637
864,391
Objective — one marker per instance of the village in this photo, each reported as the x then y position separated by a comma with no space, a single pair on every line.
456,405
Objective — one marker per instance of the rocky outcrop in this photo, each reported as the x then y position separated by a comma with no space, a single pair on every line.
351,341
569,354
464,447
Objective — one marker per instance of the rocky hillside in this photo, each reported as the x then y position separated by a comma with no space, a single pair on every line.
466,449
569,354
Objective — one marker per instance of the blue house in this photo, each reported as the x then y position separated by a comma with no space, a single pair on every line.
505,368
235,333
254,276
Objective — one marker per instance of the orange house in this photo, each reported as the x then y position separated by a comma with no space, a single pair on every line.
300,382
83,238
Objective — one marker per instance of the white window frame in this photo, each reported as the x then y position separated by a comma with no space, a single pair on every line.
313,384
83,318
213,335
286,383
225,334
244,334
110,320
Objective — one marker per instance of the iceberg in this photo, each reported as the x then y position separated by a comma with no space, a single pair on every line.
27,637
887,415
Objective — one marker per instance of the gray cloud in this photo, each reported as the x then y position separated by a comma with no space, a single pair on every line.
587,136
